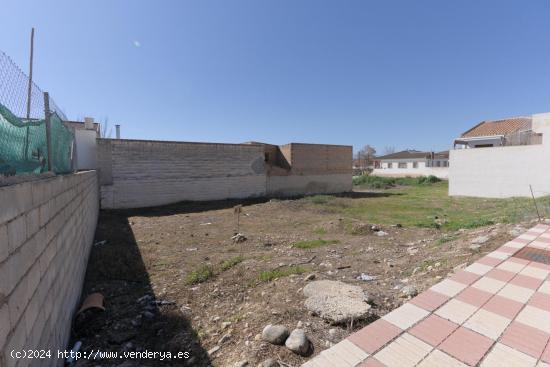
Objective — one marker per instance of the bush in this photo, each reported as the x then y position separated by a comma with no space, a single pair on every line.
379,182
200,275
229,263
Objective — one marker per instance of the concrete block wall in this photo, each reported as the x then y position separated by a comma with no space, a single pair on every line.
139,173
46,231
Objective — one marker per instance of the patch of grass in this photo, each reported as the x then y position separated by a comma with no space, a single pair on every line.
430,206
320,199
269,275
200,275
378,182
320,231
229,263
313,243
445,239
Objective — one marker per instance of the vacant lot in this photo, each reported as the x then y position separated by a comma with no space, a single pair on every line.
211,291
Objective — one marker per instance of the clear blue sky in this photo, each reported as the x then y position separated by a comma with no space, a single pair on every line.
409,74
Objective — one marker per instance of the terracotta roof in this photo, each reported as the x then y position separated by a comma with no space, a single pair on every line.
499,127
414,154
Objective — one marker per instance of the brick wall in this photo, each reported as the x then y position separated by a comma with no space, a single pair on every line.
46,230
137,173
313,169
318,159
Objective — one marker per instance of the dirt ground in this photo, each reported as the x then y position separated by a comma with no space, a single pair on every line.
156,299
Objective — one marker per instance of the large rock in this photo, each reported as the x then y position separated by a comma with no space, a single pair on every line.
335,301
298,342
275,334
480,240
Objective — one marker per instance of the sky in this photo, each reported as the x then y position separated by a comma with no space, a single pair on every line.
403,74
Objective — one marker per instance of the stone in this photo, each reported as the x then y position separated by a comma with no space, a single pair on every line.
241,363
335,301
309,277
298,342
213,350
475,248
381,233
409,291
224,338
480,240
270,362
275,334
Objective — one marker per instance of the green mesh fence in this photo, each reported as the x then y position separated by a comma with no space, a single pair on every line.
23,145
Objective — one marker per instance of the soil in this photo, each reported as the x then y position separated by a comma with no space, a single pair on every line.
152,252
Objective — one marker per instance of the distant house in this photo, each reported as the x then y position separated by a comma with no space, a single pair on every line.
514,161
496,133
413,163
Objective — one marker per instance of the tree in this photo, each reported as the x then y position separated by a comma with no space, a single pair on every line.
106,130
389,150
365,156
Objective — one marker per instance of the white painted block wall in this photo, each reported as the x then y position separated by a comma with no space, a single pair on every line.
502,172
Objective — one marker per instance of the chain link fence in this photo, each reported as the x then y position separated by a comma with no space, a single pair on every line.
24,126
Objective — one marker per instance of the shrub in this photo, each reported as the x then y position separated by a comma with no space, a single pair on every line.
229,263
379,182
200,275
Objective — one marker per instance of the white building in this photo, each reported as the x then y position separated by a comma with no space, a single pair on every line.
515,159
496,133
413,163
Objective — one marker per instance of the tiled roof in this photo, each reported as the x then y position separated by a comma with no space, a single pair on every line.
499,127
414,154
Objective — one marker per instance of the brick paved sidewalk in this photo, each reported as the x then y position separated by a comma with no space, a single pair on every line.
495,312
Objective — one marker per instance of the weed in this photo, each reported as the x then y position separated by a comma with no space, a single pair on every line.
445,239
313,243
320,199
269,275
320,231
229,263
200,275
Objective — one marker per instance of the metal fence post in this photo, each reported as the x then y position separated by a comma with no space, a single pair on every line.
48,130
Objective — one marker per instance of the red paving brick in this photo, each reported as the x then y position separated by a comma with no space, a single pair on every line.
523,240
474,296
371,362
500,274
503,306
466,346
540,265
540,300
488,260
526,282
526,339
374,336
465,277
508,250
546,354
429,300
519,261
433,330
